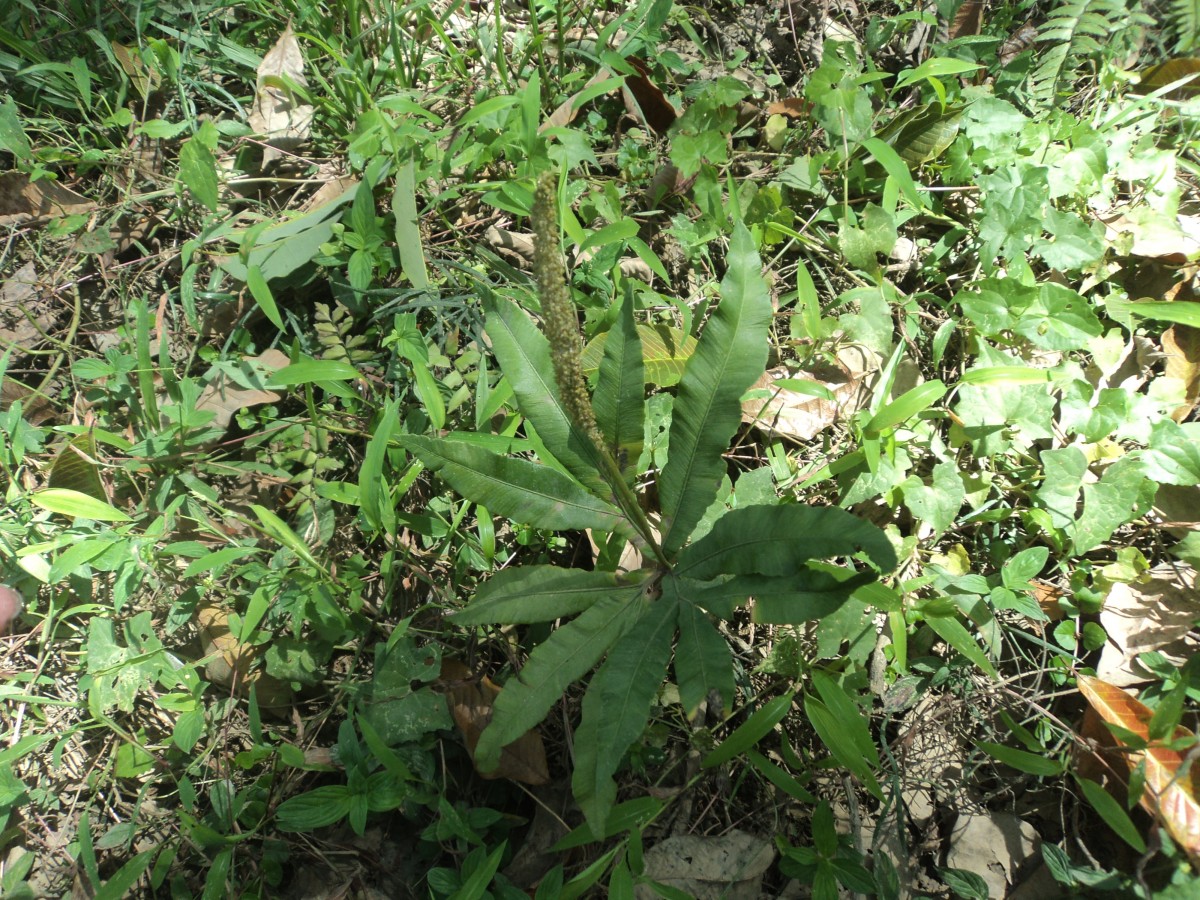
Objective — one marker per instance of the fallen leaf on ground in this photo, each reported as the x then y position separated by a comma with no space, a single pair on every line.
471,699
232,664
25,202
645,100
10,607
1181,345
1155,613
787,404
1172,787
993,845
221,397
730,866
278,114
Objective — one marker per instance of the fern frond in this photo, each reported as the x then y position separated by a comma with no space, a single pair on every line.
1075,33
1185,23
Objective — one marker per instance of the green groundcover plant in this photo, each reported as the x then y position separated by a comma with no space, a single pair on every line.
702,559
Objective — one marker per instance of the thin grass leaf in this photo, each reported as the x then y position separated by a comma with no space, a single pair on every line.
616,708
750,732
561,659
732,353
840,741
519,489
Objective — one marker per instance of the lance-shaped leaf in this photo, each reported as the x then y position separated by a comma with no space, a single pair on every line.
1172,790
665,352
527,594
616,707
524,356
732,353
562,658
620,398
702,659
518,489
814,592
779,540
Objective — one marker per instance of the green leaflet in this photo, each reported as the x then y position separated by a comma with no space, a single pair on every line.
732,353
778,540
524,356
839,737
516,488
620,398
616,707
702,660
561,659
539,594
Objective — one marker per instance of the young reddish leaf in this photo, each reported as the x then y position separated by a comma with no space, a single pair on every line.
1172,793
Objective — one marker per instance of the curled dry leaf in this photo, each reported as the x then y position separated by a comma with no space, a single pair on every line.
646,101
1172,789
791,413
232,663
278,114
471,701
1154,614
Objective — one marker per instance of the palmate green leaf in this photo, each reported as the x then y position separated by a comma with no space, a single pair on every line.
616,707
731,355
620,398
561,659
703,662
778,540
527,594
524,356
518,489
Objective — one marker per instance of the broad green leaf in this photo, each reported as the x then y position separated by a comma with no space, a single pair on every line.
703,662
1112,813
837,737
731,355
475,885
778,540
561,659
624,817
620,398
849,713
12,134
616,708
121,883
282,532
778,777
519,489
922,134
954,633
754,729
906,406
313,809
261,292
665,352
74,503
1023,760
311,371
526,594
524,356
374,495
198,173
1162,310
408,233
897,169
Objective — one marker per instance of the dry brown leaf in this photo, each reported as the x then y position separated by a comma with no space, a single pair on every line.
232,664
1018,42
968,20
1172,790
801,417
278,114
224,399
471,701
568,110
1154,614
25,202
25,317
729,866
792,107
1148,233
646,101
10,606
1181,345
